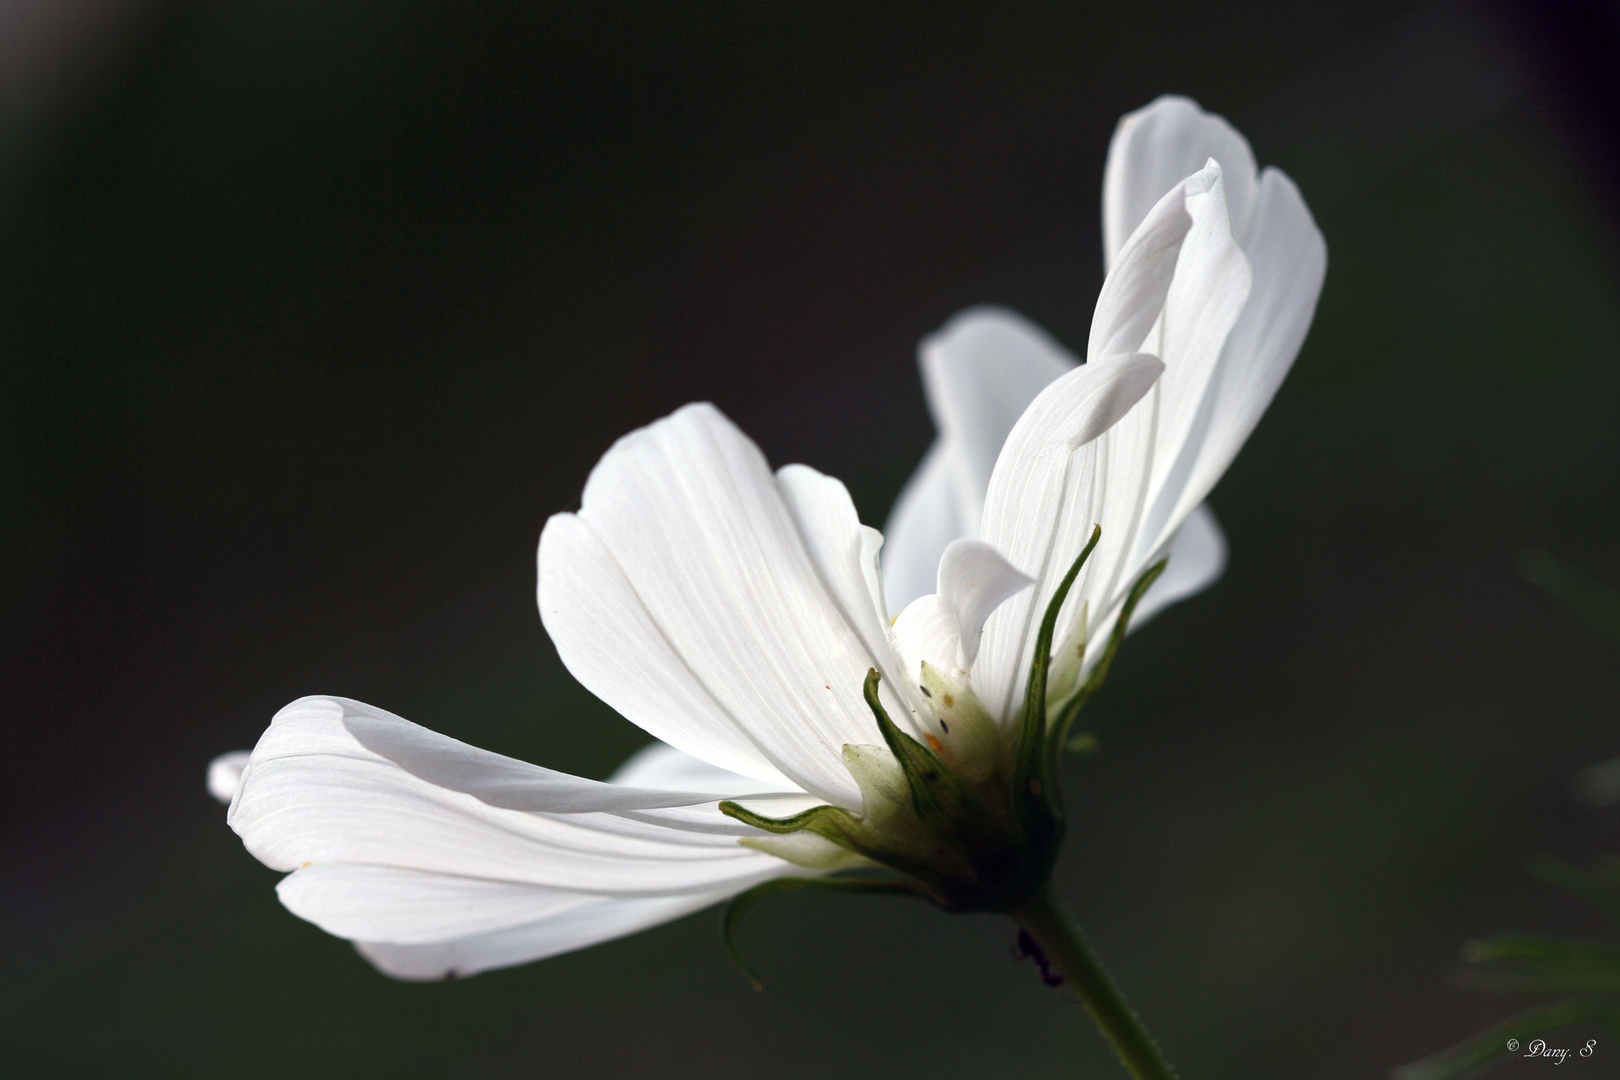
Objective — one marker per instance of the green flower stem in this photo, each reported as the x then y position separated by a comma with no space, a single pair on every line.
1045,919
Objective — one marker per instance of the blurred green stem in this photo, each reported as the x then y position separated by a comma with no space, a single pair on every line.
1045,919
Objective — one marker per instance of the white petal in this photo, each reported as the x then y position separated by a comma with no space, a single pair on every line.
844,552
609,641
1197,560
1289,259
575,928
1204,302
1134,292
974,580
702,547
313,794
980,371
1042,503
413,907
225,774
661,766
932,510
491,778
927,631
1154,148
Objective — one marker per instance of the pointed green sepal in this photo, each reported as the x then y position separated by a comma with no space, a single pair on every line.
1060,730
731,915
832,823
939,794
1028,767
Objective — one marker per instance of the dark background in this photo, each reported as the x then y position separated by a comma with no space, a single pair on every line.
311,313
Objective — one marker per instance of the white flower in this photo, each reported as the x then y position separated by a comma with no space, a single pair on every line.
735,614
983,367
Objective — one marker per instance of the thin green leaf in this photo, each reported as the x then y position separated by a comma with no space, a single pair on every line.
1539,947
1535,963
731,915
1489,1046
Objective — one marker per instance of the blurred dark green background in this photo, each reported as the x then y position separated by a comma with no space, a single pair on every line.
310,314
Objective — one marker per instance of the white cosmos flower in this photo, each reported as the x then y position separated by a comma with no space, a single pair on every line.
735,613
982,369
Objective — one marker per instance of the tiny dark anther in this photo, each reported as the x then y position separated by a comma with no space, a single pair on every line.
943,726
925,692
930,776
1027,947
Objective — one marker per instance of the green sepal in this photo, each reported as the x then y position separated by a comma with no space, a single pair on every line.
939,794
1094,681
818,819
1472,1054
907,854
731,915
1029,770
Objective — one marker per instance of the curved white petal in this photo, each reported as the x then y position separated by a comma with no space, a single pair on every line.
225,774
611,643
1042,502
1197,560
414,907
980,371
1205,299
932,510
927,631
1157,146
1289,260
495,779
844,552
314,794
599,919
659,765
698,572
974,580
1176,238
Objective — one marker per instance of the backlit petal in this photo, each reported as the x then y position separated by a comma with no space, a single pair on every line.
1042,503
1158,145
313,794
701,546
1197,560
599,919
974,580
